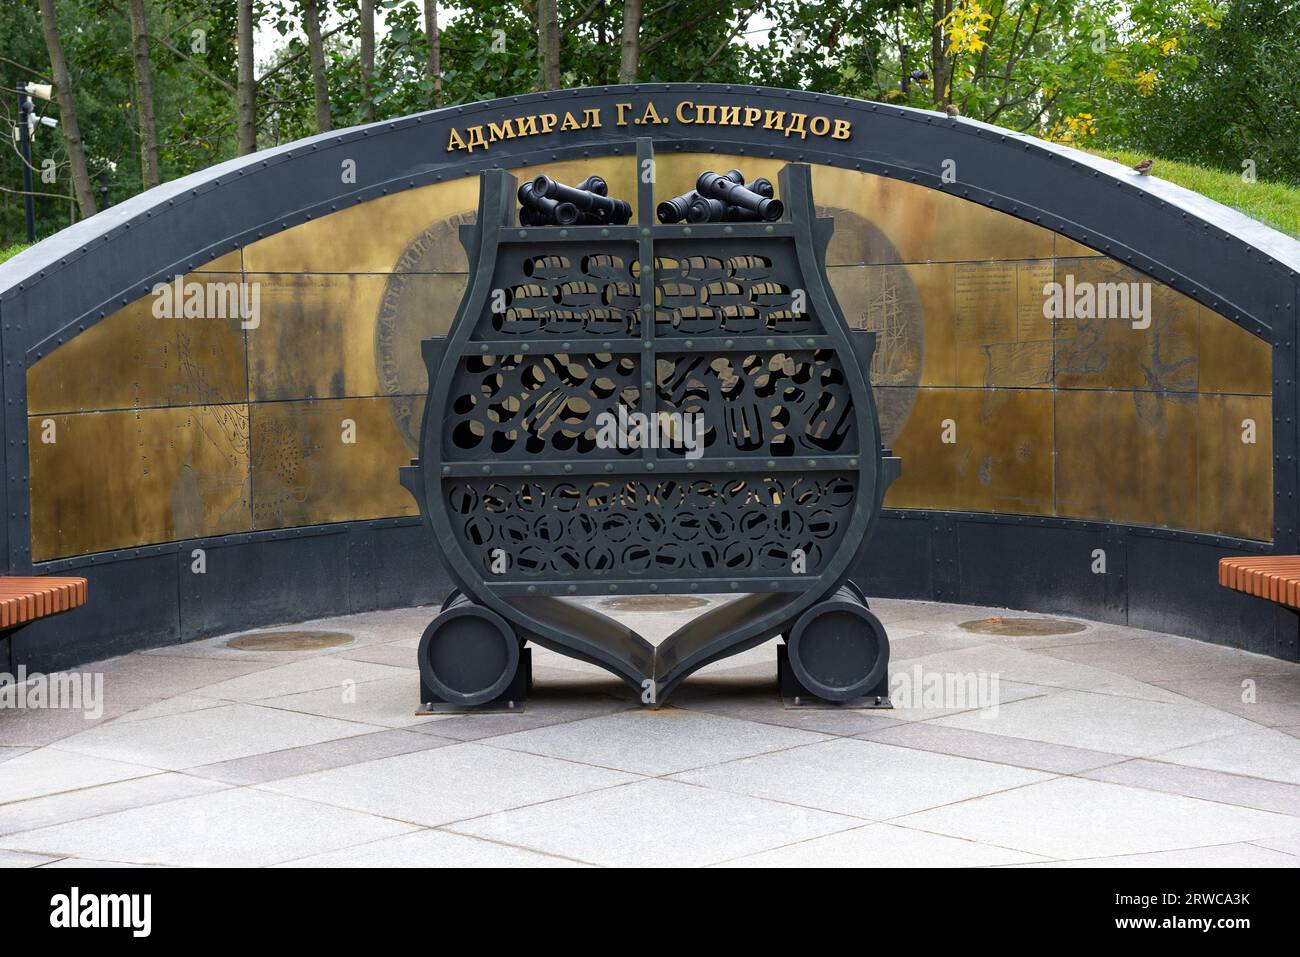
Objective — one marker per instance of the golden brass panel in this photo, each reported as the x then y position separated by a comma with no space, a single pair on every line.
929,478
232,261
999,334
1001,460
123,479
411,231
896,222
1085,418
1110,353
415,230
1127,457
1067,248
305,473
336,335
1007,442
1232,360
1235,476
132,360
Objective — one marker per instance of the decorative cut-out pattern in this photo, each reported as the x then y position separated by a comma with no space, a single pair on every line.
521,406
561,290
734,292
743,527
776,404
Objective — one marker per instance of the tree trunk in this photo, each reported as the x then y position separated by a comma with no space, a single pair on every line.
548,29
940,67
67,111
435,47
368,59
631,41
144,95
246,89
311,21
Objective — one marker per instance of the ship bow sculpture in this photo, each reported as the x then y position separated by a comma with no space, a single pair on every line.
637,408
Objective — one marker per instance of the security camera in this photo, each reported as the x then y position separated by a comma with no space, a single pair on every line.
42,91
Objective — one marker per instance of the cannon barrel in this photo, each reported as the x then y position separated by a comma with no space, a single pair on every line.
556,211
594,184
678,208
602,208
705,210
675,210
737,214
713,185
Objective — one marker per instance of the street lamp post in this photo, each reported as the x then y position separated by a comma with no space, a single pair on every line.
25,110
26,123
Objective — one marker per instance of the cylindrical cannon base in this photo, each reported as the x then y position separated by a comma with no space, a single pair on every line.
838,649
469,654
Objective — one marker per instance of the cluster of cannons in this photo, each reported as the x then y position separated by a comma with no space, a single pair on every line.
723,198
546,202
716,198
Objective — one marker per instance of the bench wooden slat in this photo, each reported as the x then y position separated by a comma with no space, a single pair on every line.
1274,577
24,599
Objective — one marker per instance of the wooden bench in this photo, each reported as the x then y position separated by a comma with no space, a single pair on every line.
1275,577
23,600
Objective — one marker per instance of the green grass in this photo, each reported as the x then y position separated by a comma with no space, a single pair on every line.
1271,203
8,252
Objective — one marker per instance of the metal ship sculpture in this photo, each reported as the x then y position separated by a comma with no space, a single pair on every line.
624,407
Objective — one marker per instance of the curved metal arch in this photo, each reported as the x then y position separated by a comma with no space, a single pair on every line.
1233,264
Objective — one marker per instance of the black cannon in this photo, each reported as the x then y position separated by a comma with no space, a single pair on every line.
696,207
650,409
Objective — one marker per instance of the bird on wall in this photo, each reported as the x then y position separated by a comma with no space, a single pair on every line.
952,110
1144,167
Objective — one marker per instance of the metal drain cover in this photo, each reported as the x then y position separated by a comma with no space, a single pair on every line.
654,603
1006,625
289,640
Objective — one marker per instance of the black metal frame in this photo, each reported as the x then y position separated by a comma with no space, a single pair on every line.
1244,270
793,250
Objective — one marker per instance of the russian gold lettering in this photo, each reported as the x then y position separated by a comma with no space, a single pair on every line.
651,115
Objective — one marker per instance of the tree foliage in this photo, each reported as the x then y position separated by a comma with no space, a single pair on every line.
1207,82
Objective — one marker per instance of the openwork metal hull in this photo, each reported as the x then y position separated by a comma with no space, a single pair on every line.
746,457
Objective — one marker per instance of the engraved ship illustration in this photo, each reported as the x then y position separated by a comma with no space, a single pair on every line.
765,484
889,363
